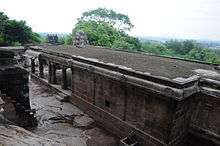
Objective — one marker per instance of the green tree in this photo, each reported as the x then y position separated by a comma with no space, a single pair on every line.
61,40
119,21
203,54
104,34
188,45
136,44
107,28
3,21
68,39
185,49
15,32
157,48
175,45
181,47
18,31
101,34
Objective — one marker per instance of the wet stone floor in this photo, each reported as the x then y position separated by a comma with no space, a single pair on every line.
64,122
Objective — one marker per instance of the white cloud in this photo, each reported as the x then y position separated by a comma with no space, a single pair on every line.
175,18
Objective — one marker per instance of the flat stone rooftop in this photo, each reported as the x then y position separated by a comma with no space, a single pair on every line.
155,65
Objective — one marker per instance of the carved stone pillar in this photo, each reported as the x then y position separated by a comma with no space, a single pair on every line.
49,72
72,80
64,78
32,65
41,68
53,73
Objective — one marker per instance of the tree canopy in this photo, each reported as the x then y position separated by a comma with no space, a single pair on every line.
103,34
182,47
15,32
107,28
120,21
188,49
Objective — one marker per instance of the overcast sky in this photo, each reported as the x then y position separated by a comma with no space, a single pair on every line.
192,19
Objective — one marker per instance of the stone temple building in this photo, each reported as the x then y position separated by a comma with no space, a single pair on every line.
52,39
142,99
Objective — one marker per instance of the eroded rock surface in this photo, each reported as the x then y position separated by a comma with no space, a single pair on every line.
65,122
59,124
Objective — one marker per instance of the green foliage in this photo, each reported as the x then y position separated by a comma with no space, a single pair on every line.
185,49
204,54
104,34
188,45
181,47
34,38
107,28
3,21
61,40
13,32
216,51
134,42
120,21
157,48
68,40
122,44
43,38
100,34
2,39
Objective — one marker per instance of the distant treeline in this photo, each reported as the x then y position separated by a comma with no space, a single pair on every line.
107,28
188,49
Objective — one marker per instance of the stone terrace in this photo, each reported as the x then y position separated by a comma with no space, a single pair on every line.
149,64
146,99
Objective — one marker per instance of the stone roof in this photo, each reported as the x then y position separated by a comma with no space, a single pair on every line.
13,48
150,64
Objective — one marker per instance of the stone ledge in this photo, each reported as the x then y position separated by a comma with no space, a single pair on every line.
170,91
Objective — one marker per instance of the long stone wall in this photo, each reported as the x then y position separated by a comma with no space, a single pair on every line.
160,116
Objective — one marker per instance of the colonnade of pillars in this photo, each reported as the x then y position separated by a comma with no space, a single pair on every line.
52,67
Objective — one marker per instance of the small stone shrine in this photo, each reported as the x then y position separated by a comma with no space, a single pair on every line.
81,39
52,39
